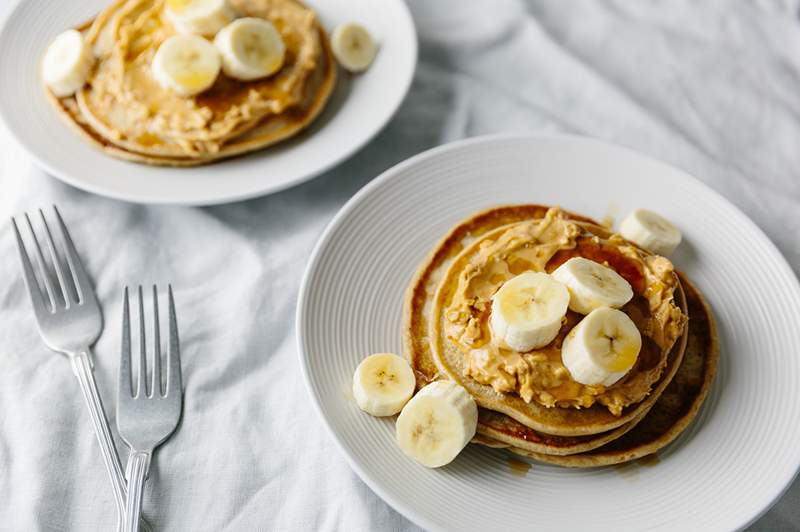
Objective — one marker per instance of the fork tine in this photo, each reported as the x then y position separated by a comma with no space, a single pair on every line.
37,298
155,386
125,382
48,237
42,265
174,381
141,378
79,277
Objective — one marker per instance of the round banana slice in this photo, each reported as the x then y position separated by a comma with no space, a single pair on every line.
437,423
650,231
592,285
353,46
201,17
383,383
251,48
186,64
602,348
67,63
527,311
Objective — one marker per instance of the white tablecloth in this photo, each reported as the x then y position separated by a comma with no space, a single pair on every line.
713,87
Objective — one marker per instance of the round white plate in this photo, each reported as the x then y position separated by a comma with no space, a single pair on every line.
359,107
730,465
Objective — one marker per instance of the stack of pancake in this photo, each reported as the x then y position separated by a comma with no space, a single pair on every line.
124,111
563,422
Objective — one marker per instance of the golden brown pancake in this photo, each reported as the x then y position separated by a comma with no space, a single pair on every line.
676,407
241,116
480,439
558,421
418,306
497,429
449,358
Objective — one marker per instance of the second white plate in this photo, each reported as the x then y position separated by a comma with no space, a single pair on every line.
723,472
359,108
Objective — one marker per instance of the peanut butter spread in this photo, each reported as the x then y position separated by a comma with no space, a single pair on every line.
539,375
125,102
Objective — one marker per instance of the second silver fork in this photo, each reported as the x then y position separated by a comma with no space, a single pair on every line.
146,416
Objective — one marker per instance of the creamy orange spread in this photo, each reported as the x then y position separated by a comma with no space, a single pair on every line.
130,104
539,375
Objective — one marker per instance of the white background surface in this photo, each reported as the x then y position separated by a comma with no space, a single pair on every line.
714,89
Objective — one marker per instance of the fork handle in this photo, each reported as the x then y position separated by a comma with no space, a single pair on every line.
82,367
138,464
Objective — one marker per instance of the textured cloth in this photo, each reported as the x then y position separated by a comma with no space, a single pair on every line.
712,87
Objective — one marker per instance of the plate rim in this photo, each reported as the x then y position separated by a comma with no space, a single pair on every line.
218,199
388,174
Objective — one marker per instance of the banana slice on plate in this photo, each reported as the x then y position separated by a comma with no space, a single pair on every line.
383,383
592,285
202,17
67,63
251,48
650,231
602,347
527,311
437,423
353,46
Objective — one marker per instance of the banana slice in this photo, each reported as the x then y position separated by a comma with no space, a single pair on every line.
650,231
202,17
382,384
602,348
437,423
592,285
251,48
353,46
186,64
527,311
67,63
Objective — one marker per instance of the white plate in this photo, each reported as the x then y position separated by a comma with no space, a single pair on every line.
722,473
359,108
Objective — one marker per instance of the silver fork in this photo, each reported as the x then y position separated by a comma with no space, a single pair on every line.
146,416
70,321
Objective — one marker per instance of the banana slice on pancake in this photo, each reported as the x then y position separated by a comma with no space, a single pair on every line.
201,17
592,285
67,63
353,46
251,48
650,231
527,311
437,423
383,383
602,347
186,64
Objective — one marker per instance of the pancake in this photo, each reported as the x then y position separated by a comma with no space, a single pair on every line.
240,116
623,402
488,442
492,426
497,429
675,408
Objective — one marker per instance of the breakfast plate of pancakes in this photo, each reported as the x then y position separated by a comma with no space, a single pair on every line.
126,135
700,433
